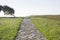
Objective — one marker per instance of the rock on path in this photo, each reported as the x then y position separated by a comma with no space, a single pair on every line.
28,31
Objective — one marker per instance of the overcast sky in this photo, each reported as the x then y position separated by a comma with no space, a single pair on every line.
33,7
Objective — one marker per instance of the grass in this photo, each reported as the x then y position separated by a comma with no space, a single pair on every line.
54,17
48,27
9,28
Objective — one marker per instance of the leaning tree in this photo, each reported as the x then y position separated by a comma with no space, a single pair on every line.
8,11
1,7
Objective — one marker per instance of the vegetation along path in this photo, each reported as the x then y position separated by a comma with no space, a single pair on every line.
28,31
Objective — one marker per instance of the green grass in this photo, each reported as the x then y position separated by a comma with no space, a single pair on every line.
54,17
9,28
48,27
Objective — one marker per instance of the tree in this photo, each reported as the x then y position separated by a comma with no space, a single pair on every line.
1,7
8,11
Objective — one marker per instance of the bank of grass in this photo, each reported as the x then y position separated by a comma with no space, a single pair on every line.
48,27
9,28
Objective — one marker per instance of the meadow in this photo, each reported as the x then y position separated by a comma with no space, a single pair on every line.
49,26
9,28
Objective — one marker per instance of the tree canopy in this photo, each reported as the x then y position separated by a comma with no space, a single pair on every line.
1,7
7,10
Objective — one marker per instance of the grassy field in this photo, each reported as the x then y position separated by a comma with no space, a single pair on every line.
9,28
49,26
54,17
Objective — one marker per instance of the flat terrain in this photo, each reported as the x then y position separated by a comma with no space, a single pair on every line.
49,26
9,28
54,17
35,28
28,31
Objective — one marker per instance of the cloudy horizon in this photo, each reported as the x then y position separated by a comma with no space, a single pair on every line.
33,7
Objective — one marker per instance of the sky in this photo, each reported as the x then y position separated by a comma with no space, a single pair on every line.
32,7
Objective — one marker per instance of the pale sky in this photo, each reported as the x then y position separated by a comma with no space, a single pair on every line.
33,7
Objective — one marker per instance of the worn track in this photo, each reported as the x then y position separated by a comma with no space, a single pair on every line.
28,31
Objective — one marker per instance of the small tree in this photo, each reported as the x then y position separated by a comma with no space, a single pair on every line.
0,7
8,11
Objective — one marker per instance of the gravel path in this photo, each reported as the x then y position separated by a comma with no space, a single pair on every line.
28,31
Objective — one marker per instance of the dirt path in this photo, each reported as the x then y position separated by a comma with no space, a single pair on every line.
28,31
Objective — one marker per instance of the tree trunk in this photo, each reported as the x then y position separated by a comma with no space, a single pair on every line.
13,16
